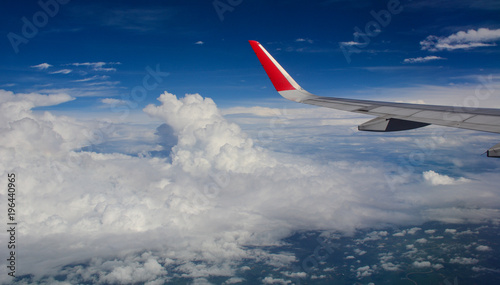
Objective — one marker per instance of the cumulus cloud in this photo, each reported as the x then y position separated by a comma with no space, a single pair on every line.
483,248
234,280
437,266
216,200
389,266
482,37
133,269
271,280
364,271
295,274
386,264
464,260
206,139
434,178
423,59
199,43
376,235
421,264
359,251
400,234
421,240
413,231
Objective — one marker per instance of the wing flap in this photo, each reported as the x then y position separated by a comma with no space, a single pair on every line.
480,119
382,124
494,151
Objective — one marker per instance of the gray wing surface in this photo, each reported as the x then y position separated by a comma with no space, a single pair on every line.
389,116
487,120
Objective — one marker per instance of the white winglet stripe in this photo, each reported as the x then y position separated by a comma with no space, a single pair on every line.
281,69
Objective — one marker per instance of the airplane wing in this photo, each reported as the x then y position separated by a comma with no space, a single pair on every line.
390,116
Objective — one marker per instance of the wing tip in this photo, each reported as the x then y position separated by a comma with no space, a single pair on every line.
254,44
281,80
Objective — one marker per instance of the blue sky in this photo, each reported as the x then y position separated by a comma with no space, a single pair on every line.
203,46
123,178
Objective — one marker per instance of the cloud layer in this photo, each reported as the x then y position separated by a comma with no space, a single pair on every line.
210,205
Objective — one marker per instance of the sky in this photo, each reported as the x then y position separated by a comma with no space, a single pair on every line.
97,50
149,144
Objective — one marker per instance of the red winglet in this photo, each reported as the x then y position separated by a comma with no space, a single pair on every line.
279,77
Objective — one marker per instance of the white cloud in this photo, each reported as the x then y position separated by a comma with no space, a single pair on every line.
413,231
483,248
364,271
27,101
132,271
220,144
467,232
464,260
271,280
437,266
200,281
95,77
423,59
41,66
386,265
97,66
375,235
304,40
421,264
113,101
351,43
482,37
400,234
199,43
434,178
359,251
295,274
234,280
389,266
421,240
62,71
